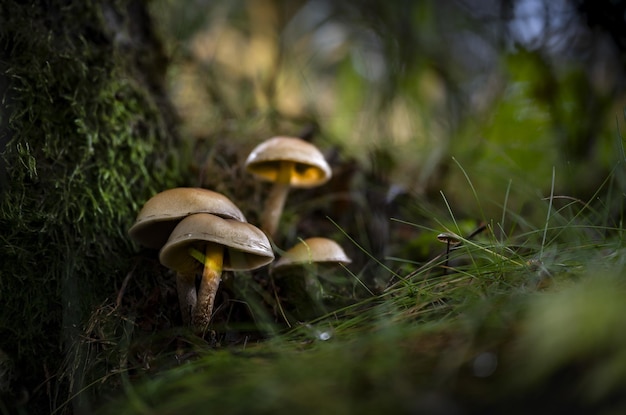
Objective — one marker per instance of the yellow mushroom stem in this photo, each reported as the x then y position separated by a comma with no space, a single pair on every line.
276,199
187,296
212,261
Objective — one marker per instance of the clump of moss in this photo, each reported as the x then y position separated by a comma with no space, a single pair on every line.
85,139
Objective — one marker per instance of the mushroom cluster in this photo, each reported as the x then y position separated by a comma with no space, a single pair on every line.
200,233
291,162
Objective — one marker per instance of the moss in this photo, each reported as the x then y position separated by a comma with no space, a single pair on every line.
86,136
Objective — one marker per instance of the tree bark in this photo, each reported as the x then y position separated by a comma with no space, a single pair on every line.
86,136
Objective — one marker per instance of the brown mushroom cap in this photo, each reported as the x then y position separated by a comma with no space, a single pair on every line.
449,238
161,213
310,167
313,250
245,246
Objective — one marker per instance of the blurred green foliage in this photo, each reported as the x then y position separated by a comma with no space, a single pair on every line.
423,82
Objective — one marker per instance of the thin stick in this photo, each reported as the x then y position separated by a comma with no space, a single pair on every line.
120,294
187,296
545,229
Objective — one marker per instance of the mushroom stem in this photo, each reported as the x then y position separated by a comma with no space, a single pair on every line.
276,199
187,297
211,277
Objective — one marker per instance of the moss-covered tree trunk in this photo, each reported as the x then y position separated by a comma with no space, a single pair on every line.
86,135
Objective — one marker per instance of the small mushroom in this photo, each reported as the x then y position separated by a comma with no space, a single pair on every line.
288,162
160,215
451,240
312,252
207,244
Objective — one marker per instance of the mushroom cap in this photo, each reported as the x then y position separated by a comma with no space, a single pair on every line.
161,213
449,238
313,250
310,167
246,247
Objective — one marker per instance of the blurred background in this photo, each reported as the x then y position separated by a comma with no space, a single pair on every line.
466,108
435,116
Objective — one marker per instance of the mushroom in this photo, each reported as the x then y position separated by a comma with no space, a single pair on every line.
288,162
209,244
162,212
160,215
312,250
315,252
451,240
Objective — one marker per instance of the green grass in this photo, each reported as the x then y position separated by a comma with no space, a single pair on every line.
511,322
